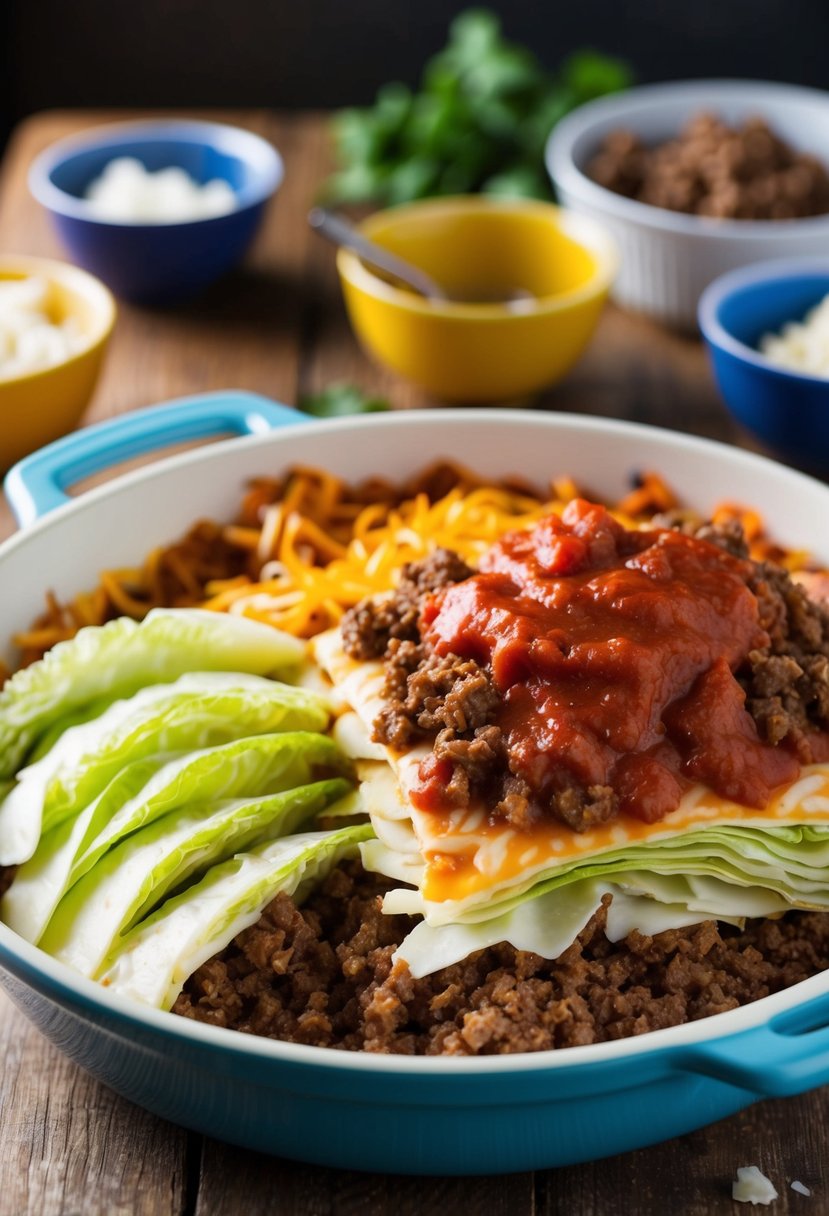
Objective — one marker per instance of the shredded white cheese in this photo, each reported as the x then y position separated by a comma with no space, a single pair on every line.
752,1187
127,192
31,340
800,1188
802,346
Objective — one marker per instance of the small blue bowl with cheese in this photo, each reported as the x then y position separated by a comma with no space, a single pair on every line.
157,210
768,341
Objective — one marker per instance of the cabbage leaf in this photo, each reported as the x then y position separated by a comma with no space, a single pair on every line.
148,789
789,861
138,873
153,961
549,923
116,659
199,710
725,872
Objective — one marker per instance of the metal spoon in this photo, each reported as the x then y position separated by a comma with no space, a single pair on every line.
340,232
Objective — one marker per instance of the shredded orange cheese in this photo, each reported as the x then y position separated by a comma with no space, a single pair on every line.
301,596
307,547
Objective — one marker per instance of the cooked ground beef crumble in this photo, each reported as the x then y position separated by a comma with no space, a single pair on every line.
323,975
369,628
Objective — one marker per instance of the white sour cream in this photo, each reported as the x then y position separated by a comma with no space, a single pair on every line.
802,346
29,339
127,192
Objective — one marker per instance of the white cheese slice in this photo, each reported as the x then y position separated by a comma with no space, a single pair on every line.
751,1186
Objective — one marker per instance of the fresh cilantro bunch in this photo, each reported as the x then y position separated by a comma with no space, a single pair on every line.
478,123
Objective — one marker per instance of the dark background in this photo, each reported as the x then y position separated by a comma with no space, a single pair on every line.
56,53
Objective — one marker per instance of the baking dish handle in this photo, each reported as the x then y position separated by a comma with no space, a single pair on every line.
785,1056
38,483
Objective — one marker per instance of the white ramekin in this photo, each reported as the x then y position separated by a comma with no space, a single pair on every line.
669,258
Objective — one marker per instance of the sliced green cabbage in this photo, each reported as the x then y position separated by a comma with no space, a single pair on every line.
199,710
258,765
396,864
41,881
138,873
116,659
725,872
155,959
147,789
350,807
711,897
76,718
549,924
790,861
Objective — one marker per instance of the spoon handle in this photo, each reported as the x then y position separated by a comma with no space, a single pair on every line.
340,232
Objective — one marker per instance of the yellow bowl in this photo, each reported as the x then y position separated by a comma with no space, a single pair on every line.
482,249
43,405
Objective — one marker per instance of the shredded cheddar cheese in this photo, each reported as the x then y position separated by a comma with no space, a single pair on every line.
303,596
307,547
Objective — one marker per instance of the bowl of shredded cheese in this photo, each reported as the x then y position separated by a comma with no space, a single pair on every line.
55,322
767,332
158,210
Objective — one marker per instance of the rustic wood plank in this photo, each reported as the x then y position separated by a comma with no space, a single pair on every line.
71,1146
234,1180
693,1175
635,369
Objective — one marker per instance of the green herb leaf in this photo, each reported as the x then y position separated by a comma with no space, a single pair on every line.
479,121
590,74
521,182
341,400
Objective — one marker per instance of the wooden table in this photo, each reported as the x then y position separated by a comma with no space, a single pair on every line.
69,1146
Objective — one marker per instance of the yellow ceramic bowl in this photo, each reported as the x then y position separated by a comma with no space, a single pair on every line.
43,405
482,249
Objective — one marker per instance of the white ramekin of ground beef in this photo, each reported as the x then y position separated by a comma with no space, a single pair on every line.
382,1109
688,176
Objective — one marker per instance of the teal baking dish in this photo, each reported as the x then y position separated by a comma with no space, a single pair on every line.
353,1110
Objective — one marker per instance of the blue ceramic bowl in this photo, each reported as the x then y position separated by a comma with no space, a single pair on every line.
157,263
787,411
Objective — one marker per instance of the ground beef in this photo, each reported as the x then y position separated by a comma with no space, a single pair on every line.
454,703
323,975
396,725
728,535
742,172
787,684
582,809
368,628
426,693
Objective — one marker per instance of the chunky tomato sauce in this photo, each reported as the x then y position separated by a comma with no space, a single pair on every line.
614,652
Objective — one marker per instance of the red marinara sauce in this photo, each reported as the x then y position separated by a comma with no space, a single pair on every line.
614,652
